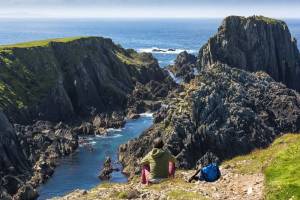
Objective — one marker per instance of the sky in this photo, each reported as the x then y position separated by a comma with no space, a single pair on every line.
147,8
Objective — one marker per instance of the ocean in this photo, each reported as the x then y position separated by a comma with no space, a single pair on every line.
140,34
170,35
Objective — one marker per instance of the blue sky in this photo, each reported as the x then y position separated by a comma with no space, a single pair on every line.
148,8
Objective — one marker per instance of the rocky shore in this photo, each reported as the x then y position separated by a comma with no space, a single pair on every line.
238,94
223,110
62,89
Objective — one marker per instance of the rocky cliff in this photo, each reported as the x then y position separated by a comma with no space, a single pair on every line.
221,113
63,79
12,158
87,83
255,43
30,152
13,162
185,66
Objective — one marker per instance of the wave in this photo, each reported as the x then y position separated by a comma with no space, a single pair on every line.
109,136
88,142
147,114
114,130
176,79
156,50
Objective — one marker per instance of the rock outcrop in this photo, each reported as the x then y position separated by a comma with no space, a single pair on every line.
14,166
224,111
184,66
105,173
90,84
71,78
254,44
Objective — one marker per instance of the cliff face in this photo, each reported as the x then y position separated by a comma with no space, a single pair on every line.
12,158
255,43
221,113
91,81
60,80
13,162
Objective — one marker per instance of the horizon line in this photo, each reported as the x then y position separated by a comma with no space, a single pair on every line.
133,18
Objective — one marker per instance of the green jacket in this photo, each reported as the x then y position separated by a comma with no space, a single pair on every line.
158,160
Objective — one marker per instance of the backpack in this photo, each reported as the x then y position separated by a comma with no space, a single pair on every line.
210,173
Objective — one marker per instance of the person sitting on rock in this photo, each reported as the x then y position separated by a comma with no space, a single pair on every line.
157,164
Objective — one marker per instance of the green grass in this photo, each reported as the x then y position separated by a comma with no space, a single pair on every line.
269,20
22,81
283,173
280,164
39,43
131,57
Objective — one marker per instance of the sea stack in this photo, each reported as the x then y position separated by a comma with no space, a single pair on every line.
255,43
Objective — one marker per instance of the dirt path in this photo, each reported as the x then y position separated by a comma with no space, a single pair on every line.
231,186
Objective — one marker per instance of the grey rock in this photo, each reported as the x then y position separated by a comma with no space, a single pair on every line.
185,66
226,112
254,44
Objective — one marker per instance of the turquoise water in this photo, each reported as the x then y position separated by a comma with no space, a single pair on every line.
80,170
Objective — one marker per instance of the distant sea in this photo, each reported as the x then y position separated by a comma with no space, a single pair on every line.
140,34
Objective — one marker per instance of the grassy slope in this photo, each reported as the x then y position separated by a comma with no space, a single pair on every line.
28,70
39,43
21,82
281,165
20,86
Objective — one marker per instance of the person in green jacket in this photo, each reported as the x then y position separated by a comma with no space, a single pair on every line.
157,164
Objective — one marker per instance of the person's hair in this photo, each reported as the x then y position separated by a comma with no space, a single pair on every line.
158,143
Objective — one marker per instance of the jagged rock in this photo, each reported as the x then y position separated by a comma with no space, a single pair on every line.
86,128
13,161
43,143
207,159
62,87
109,120
255,43
225,111
26,192
133,116
184,66
88,83
105,173
4,195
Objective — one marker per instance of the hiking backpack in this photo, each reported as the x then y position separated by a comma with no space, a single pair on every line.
210,173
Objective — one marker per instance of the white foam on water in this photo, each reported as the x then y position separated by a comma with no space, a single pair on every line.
156,50
109,136
114,130
195,71
147,114
176,79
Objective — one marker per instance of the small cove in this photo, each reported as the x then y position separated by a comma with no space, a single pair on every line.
80,170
